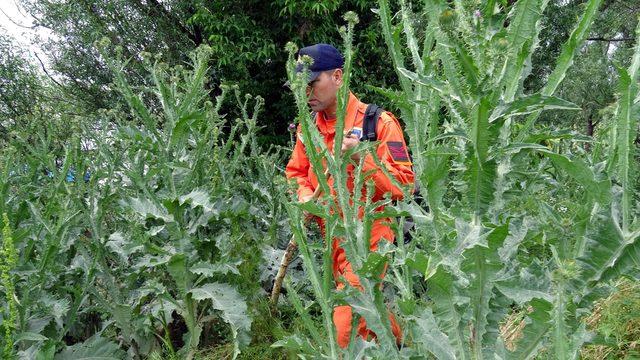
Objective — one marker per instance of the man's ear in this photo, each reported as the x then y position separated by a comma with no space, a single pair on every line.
337,76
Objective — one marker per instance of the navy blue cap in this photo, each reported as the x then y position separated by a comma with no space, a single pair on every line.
325,57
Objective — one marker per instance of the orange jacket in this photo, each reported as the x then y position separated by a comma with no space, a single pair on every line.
392,152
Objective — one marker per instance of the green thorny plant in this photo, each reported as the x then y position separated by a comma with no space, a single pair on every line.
486,178
8,262
175,209
339,213
194,224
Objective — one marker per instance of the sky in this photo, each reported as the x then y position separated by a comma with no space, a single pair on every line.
17,23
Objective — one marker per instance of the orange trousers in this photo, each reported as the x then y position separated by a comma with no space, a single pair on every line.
343,315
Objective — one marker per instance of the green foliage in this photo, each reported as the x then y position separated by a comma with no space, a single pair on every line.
245,38
8,262
158,250
481,222
616,324
137,236
19,85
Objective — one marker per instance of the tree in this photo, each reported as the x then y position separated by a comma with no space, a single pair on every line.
247,38
18,82
591,81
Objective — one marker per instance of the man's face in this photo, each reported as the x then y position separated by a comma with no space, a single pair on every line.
322,91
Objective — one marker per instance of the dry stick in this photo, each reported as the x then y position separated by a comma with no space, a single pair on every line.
288,256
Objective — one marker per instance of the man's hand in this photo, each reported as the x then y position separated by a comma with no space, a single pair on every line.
305,214
349,142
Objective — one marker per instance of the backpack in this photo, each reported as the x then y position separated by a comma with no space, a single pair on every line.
369,123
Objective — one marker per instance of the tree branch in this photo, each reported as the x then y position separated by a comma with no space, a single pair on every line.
610,40
15,23
45,70
159,9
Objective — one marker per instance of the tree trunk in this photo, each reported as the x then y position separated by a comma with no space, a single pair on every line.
590,127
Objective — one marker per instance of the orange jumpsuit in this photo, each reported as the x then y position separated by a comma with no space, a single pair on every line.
393,155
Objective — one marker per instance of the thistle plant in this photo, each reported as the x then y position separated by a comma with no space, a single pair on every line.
165,232
471,249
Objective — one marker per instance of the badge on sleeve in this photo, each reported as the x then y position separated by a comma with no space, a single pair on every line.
398,152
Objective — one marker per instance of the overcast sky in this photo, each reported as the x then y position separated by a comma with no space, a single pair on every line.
16,22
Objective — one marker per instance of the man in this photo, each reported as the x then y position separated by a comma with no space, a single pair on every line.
325,80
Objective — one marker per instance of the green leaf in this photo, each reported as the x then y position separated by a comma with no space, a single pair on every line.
297,344
226,299
609,253
627,131
522,32
428,337
313,208
437,85
29,336
538,323
177,267
482,265
94,348
480,130
443,293
198,197
521,294
580,172
529,104
182,127
369,304
208,269
480,177
435,179
147,209
565,60
571,47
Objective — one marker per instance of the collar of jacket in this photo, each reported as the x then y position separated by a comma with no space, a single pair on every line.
354,109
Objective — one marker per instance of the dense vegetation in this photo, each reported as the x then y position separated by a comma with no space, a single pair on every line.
143,213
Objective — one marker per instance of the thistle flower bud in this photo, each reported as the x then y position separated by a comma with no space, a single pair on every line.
351,17
306,60
291,48
503,43
145,56
448,20
205,48
104,42
292,128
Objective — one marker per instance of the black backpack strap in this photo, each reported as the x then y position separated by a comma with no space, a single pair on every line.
370,122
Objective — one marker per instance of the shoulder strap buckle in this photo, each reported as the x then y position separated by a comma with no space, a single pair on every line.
370,122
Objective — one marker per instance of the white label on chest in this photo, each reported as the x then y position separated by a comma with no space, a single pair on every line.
357,132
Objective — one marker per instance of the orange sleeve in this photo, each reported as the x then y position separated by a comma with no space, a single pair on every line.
298,169
393,155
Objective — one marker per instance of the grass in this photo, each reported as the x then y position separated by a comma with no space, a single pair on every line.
617,322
